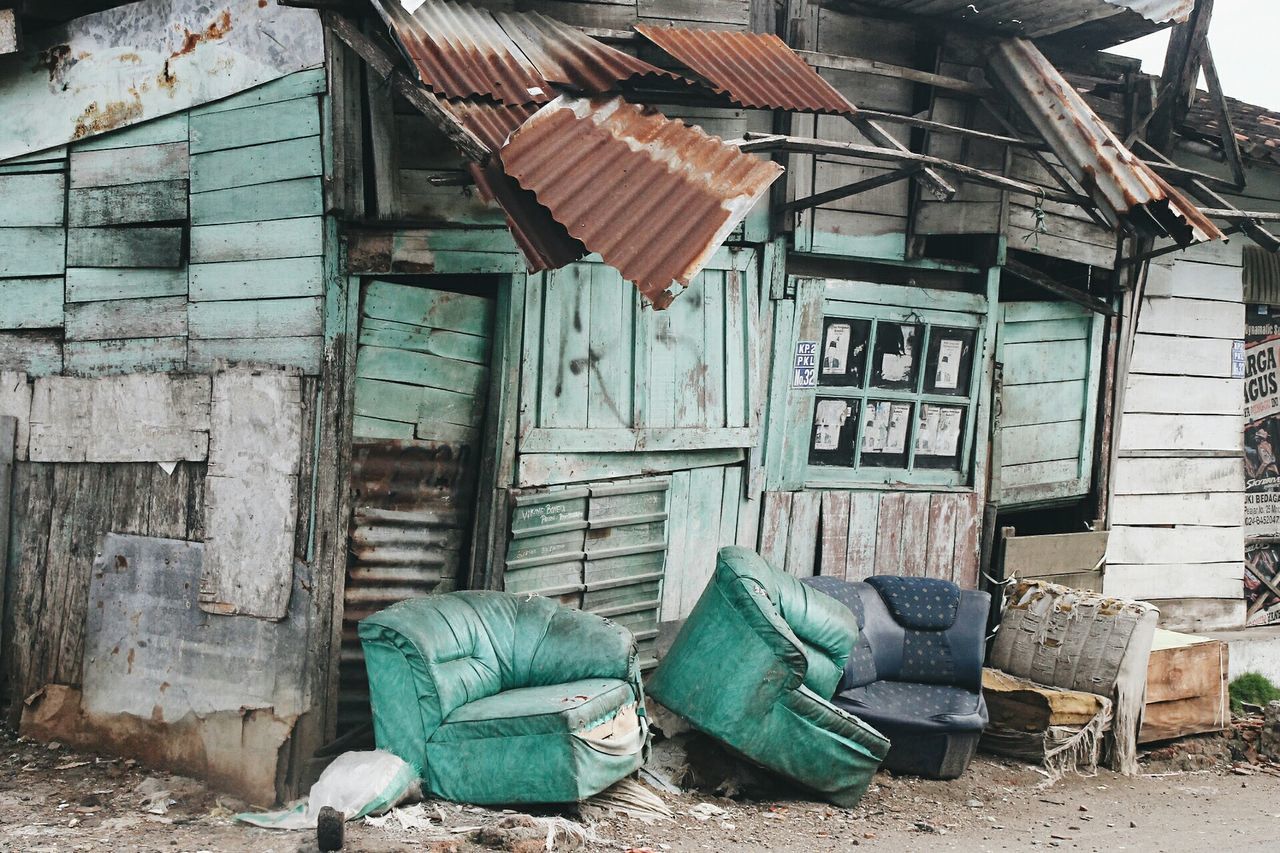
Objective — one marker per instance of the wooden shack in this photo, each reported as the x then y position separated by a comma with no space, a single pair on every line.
286,344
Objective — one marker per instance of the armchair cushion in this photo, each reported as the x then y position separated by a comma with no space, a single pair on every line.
920,604
922,707
571,707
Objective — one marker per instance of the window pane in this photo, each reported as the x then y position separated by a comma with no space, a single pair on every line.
938,436
949,366
835,424
885,431
844,352
897,356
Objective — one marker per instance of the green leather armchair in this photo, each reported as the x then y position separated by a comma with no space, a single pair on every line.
502,698
751,668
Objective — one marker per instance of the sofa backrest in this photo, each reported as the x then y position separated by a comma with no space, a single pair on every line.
822,626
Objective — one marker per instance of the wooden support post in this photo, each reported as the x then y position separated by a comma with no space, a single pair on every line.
384,64
8,434
1230,145
1181,70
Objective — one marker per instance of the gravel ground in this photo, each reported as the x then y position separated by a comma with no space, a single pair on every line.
55,800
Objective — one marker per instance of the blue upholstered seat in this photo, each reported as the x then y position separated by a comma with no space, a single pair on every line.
915,672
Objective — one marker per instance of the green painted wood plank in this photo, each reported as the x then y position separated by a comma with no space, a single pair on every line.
1023,405
438,406
93,284
33,353
458,312
904,297
171,128
251,241
546,469
257,164
269,279
614,440
434,430
257,318
363,426
420,368
55,168
737,346
32,251
303,353
565,356
152,201
33,200
48,155
161,317
610,381
255,125
530,355
300,84
398,402
441,342
31,303
124,247
126,355
259,203
688,351
657,397
713,370
1040,442
111,167
1046,361
1076,329
1025,312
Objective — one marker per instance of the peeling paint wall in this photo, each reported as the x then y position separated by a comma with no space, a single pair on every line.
123,66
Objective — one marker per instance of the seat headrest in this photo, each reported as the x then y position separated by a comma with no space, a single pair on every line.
921,604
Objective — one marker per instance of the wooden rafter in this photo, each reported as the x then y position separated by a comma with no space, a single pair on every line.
850,189
1045,282
1226,128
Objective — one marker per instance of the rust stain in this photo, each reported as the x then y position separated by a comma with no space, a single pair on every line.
216,30
114,115
130,660
56,60
262,4
130,57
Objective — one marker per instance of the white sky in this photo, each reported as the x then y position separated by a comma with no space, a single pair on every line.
1245,37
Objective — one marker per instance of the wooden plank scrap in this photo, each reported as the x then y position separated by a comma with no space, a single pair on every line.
127,204
112,167
125,247
835,533
31,303
162,317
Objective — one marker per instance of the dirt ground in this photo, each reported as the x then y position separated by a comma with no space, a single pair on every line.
54,800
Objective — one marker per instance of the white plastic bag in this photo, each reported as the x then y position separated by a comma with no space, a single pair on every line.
356,784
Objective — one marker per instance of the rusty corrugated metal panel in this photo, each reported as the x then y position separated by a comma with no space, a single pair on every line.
1036,18
544,243
461,51
1122,186
568,57
491,122
412,507
756,70
654,197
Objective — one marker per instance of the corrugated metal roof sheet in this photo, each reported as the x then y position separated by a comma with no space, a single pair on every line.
1261,276
654,197
1122,186
544,242
756,70
491,122
461,51
1036,18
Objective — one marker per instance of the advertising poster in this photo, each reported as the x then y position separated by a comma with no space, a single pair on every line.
1261,471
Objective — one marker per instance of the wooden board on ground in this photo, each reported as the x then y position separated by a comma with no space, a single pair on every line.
1022,705
1186,687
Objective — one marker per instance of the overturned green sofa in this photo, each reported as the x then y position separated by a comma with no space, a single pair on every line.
500,698
752,667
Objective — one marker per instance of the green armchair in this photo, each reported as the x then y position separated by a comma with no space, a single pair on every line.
752,667
502,698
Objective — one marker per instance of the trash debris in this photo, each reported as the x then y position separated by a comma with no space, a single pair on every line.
409,819
630,798
706,811
155,796
356,784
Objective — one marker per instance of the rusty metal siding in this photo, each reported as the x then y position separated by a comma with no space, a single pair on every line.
652,196
1122,186
755,70
1036,18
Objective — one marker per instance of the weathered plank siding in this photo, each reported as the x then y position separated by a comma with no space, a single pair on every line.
856,534
1177,516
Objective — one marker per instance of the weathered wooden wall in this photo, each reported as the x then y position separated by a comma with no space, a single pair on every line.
856,534
1177,517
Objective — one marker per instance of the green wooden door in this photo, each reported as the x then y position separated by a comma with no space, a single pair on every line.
1050,355
422,373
